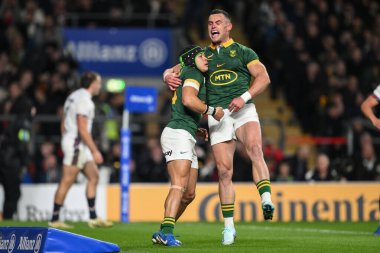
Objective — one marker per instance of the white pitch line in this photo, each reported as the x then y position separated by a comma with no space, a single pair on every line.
312,230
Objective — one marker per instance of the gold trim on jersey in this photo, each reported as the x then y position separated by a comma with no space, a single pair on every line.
253,62
224,44
193,81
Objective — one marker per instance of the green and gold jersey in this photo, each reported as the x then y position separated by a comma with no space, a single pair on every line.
228,76
182,117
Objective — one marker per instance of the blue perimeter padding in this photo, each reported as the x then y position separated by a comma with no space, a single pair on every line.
63,241
49,240
377,232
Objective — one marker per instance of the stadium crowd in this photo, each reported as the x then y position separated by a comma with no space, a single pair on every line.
323,57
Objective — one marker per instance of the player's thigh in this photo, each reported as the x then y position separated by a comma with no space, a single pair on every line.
250,134
179,171
75,154
224,154
69,174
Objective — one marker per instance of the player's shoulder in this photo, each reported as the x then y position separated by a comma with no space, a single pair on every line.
190,72
239,46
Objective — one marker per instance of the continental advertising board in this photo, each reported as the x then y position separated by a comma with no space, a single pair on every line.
294,202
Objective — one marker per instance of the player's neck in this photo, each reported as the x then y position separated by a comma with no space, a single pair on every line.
220,43
89,90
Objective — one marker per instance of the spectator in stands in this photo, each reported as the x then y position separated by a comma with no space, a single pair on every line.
46,160
366,163
14,141
299,163
322,170
151,166
283,173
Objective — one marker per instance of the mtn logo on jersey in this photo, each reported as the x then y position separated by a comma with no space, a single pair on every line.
223,77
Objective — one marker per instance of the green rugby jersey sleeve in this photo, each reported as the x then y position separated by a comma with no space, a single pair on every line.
192,74
248,55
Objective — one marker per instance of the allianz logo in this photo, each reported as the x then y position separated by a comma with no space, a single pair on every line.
25,244
94,51
142,99
151,52
4,244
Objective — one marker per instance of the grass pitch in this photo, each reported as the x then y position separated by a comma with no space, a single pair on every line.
251,237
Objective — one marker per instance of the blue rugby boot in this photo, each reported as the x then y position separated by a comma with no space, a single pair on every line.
165,239
155,239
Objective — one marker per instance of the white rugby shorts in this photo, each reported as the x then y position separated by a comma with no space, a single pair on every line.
75,153
178,144
224,130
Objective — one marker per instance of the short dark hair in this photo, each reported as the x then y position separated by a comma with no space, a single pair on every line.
87,78
219,11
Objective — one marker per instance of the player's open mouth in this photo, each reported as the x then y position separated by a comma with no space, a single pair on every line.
214,34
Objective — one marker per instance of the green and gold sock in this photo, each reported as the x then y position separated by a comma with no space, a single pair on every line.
228,210
167,225
263,186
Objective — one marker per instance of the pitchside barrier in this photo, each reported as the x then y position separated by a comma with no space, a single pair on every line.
294,202
49,240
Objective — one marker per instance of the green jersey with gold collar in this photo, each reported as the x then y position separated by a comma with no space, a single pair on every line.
228,76
182,117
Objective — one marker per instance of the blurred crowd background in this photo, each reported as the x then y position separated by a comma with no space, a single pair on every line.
323,58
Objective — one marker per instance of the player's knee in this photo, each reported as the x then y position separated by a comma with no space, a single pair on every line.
255,151
223,165
188,197
93,179
67,182
225,174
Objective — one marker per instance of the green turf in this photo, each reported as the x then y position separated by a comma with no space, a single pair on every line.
251,237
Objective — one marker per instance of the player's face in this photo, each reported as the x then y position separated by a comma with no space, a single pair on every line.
219,28
201,62
97,85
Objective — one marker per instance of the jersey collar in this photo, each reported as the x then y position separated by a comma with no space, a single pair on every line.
225,44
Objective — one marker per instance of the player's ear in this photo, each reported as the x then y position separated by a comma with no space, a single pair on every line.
229,27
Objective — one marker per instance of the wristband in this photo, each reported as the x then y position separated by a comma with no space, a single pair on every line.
205,110
210,110
246,96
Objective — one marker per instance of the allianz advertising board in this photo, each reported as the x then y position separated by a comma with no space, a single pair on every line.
120,52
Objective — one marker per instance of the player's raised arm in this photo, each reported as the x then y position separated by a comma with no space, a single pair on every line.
171,77
259,84
261,78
